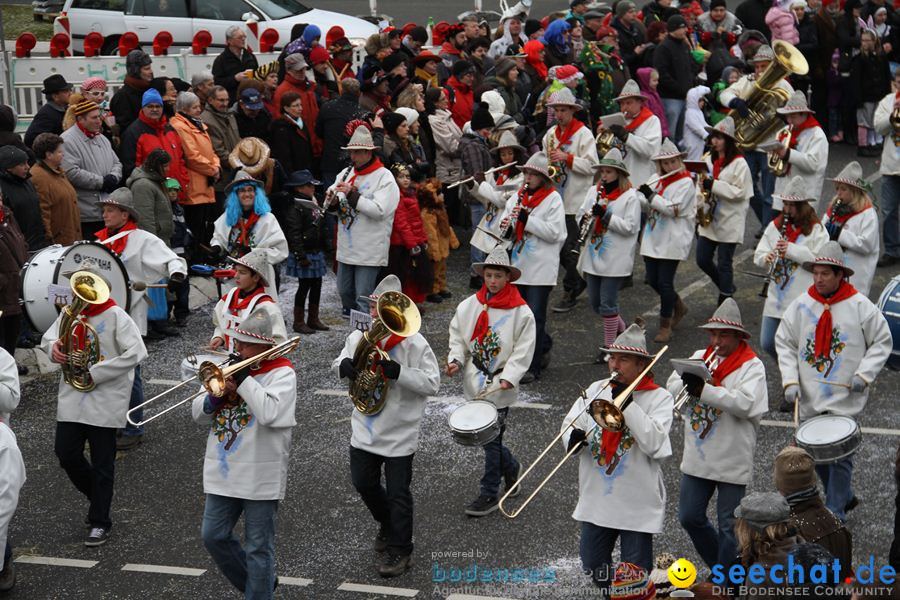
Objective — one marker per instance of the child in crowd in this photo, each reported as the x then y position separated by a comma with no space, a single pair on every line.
181,241
648,79
441,238
406,258
694,138
833,83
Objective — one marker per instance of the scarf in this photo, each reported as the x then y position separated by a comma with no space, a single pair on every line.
90,134
609,442
842,218
240,302
670,179
611,196
117,246
503,175
370,168
271,365
194,121
732,362
801,496
823,327
530,202
809,123
79,333
642,116
506,299
564,136
791,233
388,344
720,164
244,227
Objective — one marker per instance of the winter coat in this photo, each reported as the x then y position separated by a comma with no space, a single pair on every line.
508,93
441,237
13,253
447,135
826,35
19,195
782,25
200,160
152,204
305,232
475,157
290,145
849,38
408,230
330,126
412,156
818,525
654,11
752,13
126,102
768,588
676,68
629,39
694,138
808,39
730,23
870,76
462,100
257,127
48,119
86,161
223,133
59,204
227,65
144,136
307,91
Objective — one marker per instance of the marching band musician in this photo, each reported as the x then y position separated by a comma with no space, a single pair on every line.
668,232
729,189
620,487
12,467
790,240
249,295
94,416
571,150
492,338
852,221
365,196
641,136
246,463
806,154
496,188
390,438
248,223
720,427
886,124
535,221
147,259
613,213
832,342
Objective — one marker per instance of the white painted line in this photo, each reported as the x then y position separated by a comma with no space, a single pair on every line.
377,589
535,405
56,562
298,581
872,430
330,392
441,399
471,597
164,569
168,382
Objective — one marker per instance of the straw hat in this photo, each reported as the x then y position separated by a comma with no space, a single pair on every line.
631,341
668,149
830,254
630,90
613,159
255,329
727,316
563,97
795,104
241,179
360,140
498,258
794,191
538,163
251,155
123,199
724,127
255,260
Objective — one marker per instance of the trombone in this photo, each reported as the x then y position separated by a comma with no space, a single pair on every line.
213,376
607,414
711,363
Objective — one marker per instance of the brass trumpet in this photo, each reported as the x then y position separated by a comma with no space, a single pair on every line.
605,140
777,165
711,363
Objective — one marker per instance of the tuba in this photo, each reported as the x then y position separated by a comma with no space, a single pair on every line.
89,289
762,121
397,315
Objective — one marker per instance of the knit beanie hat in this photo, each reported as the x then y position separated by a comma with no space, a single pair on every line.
503,66
311,33
795,470
392,61
135,61
481,117
461,67
623,7
151,96
418,34
631,582
85,106
318,55
392,121
532,26
675,22
93,83
716,3
334,34
10,156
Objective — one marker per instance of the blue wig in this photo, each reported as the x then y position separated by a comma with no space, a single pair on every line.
233,204
310,33
553,35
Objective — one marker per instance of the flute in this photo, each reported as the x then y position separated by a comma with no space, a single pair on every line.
472,178
764,292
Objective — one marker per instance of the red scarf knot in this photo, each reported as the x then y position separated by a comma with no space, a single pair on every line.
244,227
529,203
642,116
119,245
564,136
809,123
824,326
599,228
270,365
238,303
791,232
373,166
79,331
506,299
720,164
731,363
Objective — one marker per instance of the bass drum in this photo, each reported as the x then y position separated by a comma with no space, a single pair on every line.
889,305
46,268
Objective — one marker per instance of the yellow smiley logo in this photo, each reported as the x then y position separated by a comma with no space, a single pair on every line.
682,573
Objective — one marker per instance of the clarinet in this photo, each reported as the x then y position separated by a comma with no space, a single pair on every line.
764,292
330,195
511,221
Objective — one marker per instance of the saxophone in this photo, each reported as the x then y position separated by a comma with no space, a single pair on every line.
777,165
707,208
88,289
588,221
556,171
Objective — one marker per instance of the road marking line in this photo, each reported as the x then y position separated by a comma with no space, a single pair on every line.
164,569
56,562
442,399
872,430
471,597
299,581
167,382
535,405
377,589
330,392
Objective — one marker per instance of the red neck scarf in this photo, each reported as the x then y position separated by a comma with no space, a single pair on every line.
246,226
642,116
117,246
611,196
791,233
270,365
504,175
388,344
842,218
79,333
732,362
373,166
238,304
609,442
530,202
669,180
564,136
809,123
823,327
506,299
90,134
720,164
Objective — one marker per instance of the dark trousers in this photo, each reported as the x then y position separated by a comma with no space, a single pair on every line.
181,308
596,548
90,228
198,218
661,277
391,504
763,186
894,554
454,206
9,332
93,479
568,260
721,271
713,546
537,298
498,460
313,287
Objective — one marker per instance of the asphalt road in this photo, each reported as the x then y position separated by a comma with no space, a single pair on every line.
324,531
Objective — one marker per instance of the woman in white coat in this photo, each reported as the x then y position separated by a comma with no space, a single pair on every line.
668,232
851,221
611,216
497,188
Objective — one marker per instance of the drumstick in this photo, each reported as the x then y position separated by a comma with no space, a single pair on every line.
140,286
482,395
797,411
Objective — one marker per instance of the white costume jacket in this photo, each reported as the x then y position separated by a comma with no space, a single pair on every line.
611,253
225,319
807,161
733,189
642,144
671,215
861,240
13,468
9,385
506,351
537,255
395,430
890,155
580,171
744,86
789,279
266,235
494,198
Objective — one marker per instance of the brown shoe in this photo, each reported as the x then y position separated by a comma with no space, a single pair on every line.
665,330
313,320
681,309
299,325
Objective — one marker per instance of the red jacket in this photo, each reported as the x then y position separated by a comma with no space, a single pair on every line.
408,230
142,137
307,91
463,100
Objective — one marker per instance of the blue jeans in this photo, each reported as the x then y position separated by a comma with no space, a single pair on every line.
498,460
714,547
661,277
249,568
390,504
537,297
767,330
596,548
137,397
354,281
674,115
603,294
477,210
763,186
890,214
722,271
837,479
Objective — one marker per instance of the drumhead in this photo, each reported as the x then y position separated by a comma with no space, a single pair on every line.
37,275
473,416
826,429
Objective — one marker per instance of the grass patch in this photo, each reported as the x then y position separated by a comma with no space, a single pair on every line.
18,19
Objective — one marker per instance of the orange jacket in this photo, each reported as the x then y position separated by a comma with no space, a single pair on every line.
200,159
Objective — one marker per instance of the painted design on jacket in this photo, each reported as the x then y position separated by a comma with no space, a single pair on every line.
703,417
520,250
827,363
625,444
227,426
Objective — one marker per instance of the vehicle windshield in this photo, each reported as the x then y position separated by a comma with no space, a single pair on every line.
279,9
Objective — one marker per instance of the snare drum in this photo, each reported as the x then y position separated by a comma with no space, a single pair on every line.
829,438
189,367
44,271
474,423
889,305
